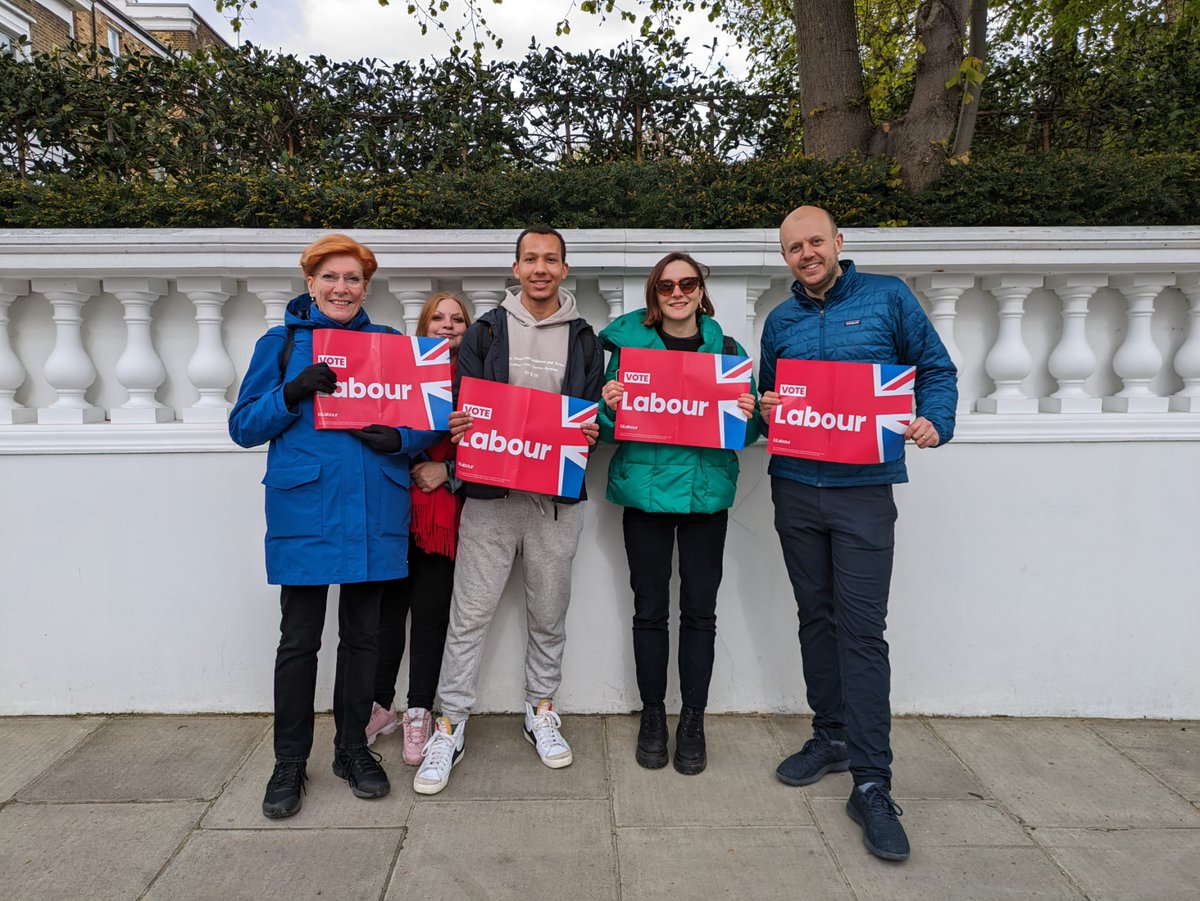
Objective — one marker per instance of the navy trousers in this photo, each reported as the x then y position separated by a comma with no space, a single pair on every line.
837,546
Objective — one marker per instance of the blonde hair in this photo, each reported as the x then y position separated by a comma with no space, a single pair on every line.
431,306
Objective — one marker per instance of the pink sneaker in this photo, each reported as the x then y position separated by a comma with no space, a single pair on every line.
417,727
382,722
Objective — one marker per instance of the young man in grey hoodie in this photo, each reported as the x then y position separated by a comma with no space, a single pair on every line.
535,339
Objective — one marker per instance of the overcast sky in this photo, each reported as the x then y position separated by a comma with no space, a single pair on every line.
352,29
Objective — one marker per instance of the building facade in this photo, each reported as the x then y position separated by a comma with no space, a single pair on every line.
123,26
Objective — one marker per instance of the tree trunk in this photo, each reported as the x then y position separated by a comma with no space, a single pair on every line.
835,113
968,112
836,119
922,138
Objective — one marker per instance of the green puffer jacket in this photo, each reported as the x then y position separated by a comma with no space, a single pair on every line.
667,478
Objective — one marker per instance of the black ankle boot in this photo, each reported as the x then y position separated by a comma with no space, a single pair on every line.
652,737
690,755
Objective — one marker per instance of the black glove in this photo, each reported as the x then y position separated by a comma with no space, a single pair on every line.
314,378
381,438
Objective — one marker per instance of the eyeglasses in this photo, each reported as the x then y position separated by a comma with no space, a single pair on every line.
666,288
328,279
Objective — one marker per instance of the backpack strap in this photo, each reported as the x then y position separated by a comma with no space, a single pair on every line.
285,355
729,347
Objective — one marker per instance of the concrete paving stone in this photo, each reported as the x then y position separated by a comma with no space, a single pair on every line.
499,764
151,758
33,744
1168,749
986,862
739,787
938,824
788,863
922,766
93,851
507,849
1060,773
341,864
328,801
1129,864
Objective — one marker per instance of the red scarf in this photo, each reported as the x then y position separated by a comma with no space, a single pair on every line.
435,516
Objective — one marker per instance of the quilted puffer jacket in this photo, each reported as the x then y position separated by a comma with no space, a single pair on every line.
864,319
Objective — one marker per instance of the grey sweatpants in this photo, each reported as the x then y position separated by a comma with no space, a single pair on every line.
491,534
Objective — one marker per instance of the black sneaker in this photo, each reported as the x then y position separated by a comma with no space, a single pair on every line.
284,790
652,737
360,767
690,754
879,815
820,755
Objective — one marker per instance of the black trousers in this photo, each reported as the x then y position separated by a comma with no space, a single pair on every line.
303,620
649,544
425,594
837,546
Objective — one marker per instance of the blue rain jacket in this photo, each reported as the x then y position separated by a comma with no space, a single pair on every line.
337,511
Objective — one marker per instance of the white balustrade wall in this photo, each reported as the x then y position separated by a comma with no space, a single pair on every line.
1048,559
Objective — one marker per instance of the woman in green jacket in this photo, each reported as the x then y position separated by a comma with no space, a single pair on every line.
670,492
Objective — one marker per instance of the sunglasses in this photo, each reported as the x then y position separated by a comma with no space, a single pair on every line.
666,288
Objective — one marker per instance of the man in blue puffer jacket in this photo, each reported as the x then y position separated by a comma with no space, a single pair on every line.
836,521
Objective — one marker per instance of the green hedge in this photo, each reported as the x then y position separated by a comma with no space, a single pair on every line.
1075,189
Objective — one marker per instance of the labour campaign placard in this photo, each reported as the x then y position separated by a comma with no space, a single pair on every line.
523,439
841,412
677,397
383,378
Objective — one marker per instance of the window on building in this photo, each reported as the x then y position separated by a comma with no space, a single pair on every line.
114,41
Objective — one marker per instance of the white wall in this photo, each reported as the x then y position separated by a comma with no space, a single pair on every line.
1031,579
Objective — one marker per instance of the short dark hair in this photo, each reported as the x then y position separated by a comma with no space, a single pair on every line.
542,230
654,306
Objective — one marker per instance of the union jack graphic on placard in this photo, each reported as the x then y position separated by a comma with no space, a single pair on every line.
439,400
842,412
680,397
383,378
531,440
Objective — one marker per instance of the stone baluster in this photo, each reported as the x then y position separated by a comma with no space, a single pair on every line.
756,287
12,373
69,370
1187,358
484,293
274,291
1073,361
942,290
139,368
1009,361
210,369
612,289
1138,359
412,292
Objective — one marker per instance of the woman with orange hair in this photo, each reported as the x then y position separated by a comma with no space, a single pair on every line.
337,505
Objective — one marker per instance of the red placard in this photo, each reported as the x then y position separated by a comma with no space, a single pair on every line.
523,439
383,378
841,412
679,397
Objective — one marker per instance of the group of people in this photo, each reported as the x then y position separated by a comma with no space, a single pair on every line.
379,511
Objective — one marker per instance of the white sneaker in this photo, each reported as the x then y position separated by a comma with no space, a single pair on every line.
541,731
443,750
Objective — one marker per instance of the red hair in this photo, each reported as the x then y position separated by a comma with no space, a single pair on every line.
431,306
333,245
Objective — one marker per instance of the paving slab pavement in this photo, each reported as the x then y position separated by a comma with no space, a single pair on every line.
151,758
1061,773
168,807
94,851
33,744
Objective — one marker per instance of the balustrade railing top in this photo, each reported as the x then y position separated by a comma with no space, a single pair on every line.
134,340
